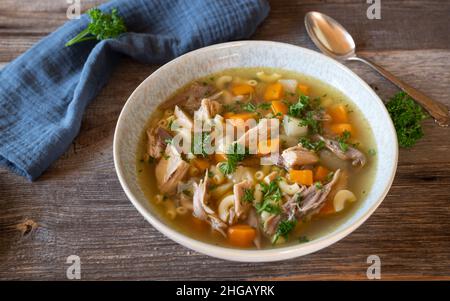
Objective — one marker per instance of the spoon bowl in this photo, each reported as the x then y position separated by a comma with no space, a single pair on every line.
335,41
329,36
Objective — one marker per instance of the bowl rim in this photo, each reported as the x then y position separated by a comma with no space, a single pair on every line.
242,255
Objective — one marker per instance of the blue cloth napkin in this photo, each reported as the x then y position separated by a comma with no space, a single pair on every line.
44,92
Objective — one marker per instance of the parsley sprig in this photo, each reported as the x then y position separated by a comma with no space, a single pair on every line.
102,26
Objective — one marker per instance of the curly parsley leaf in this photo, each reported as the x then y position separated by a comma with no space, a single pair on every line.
101,27
406,116
297,109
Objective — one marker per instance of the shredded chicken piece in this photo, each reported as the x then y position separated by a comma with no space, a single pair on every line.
170,170
352,153
301,205
297,156
157,137
270,177
314,198
271,224
240,206
183,119
202,210
262,129
190,98
208,109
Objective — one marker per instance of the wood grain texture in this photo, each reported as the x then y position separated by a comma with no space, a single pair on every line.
78,207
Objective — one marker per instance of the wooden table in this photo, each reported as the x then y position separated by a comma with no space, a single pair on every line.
78,207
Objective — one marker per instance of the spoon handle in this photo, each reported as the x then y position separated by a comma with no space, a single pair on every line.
436,109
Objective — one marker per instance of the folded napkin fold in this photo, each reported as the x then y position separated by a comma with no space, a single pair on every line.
44,92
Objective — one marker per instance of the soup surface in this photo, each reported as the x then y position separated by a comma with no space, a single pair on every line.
256,158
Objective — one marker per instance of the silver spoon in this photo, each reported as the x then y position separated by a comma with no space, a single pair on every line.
333,40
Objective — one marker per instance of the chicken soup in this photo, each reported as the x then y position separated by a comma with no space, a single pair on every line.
256,158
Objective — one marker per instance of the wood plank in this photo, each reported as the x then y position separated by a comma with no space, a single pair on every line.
403,25
78,207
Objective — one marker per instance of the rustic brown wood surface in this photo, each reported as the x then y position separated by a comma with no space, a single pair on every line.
78,207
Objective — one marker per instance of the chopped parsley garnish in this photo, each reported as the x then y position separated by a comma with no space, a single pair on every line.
406,116
318,185
249,107
236,154
330,176
312,145
297,109
268,207
265,105
248,195
271,191
343,141
372,152
313,124
271,196
284,228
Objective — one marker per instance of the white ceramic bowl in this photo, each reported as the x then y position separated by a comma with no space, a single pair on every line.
163,82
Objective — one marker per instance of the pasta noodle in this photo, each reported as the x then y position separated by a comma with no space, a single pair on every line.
220,190
252,82
218,178
268,78
222,81
266,169
258,193
288,189
181,210
259,175
163,123
170,209
225,205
